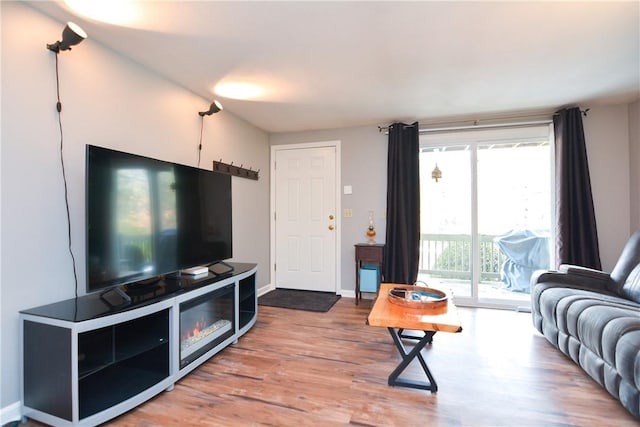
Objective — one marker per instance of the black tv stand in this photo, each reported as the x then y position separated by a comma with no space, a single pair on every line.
119,297
220,271
86,362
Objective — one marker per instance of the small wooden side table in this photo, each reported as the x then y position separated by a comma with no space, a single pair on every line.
370,254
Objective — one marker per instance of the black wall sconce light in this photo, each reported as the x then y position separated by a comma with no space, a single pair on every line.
71,36
214,108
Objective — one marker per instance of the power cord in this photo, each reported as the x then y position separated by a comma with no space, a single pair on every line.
200,143
64,176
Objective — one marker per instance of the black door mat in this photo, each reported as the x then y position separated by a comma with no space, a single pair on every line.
299,300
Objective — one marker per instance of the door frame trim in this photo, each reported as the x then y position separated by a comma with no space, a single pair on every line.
272,196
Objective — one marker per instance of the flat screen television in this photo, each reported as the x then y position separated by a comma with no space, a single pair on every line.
146,218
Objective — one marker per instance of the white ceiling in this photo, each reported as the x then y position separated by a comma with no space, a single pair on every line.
340,64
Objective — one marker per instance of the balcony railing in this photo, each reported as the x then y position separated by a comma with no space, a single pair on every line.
449,256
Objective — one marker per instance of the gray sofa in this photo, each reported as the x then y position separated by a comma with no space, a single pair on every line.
594,318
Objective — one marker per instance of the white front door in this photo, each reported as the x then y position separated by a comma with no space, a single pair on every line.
305,218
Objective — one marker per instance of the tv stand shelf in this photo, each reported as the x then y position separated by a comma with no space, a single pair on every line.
86,361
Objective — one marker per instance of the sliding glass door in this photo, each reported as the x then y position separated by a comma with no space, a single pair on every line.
486,212
445,219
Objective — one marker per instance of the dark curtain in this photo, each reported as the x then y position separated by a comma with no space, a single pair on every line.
576,234
402,249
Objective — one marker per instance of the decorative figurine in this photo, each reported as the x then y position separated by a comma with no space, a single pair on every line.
371,230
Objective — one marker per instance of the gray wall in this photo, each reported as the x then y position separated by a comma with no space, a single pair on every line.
612,138
607,138
110,101
364,168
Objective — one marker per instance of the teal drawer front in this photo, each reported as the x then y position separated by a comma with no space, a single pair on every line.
369,278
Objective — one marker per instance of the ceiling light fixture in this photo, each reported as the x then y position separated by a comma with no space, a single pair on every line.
213,108
238,90
71,36
115,12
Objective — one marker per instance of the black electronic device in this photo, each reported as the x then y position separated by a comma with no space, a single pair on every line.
147,218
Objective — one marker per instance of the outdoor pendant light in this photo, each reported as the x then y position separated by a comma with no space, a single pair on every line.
436,173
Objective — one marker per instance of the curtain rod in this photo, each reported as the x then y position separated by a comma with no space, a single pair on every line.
475,123
487,126
385,129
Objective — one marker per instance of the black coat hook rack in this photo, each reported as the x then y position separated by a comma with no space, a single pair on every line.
231,169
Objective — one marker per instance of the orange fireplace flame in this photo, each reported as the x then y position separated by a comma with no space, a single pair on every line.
198,326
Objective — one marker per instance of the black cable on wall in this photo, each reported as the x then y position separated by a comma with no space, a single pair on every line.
64,176
200,143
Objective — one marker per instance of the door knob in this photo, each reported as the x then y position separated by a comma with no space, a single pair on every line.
331,227
330,216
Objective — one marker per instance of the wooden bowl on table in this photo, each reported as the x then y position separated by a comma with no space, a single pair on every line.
418,297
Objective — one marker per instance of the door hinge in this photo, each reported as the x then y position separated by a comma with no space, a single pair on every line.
274,216
274,267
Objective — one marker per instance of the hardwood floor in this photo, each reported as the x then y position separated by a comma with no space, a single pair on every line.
297,368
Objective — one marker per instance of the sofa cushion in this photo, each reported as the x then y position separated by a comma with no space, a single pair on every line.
592,364
600,327
628,358
555,302
613,332
631,287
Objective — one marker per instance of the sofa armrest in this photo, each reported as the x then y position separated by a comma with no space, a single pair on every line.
575,276
585,272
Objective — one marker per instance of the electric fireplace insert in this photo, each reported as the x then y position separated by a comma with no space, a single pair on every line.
205,322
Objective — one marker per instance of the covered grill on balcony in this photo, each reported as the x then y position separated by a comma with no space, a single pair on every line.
506,260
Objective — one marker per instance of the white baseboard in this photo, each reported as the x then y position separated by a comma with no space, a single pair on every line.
263,290
348,293
10,413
